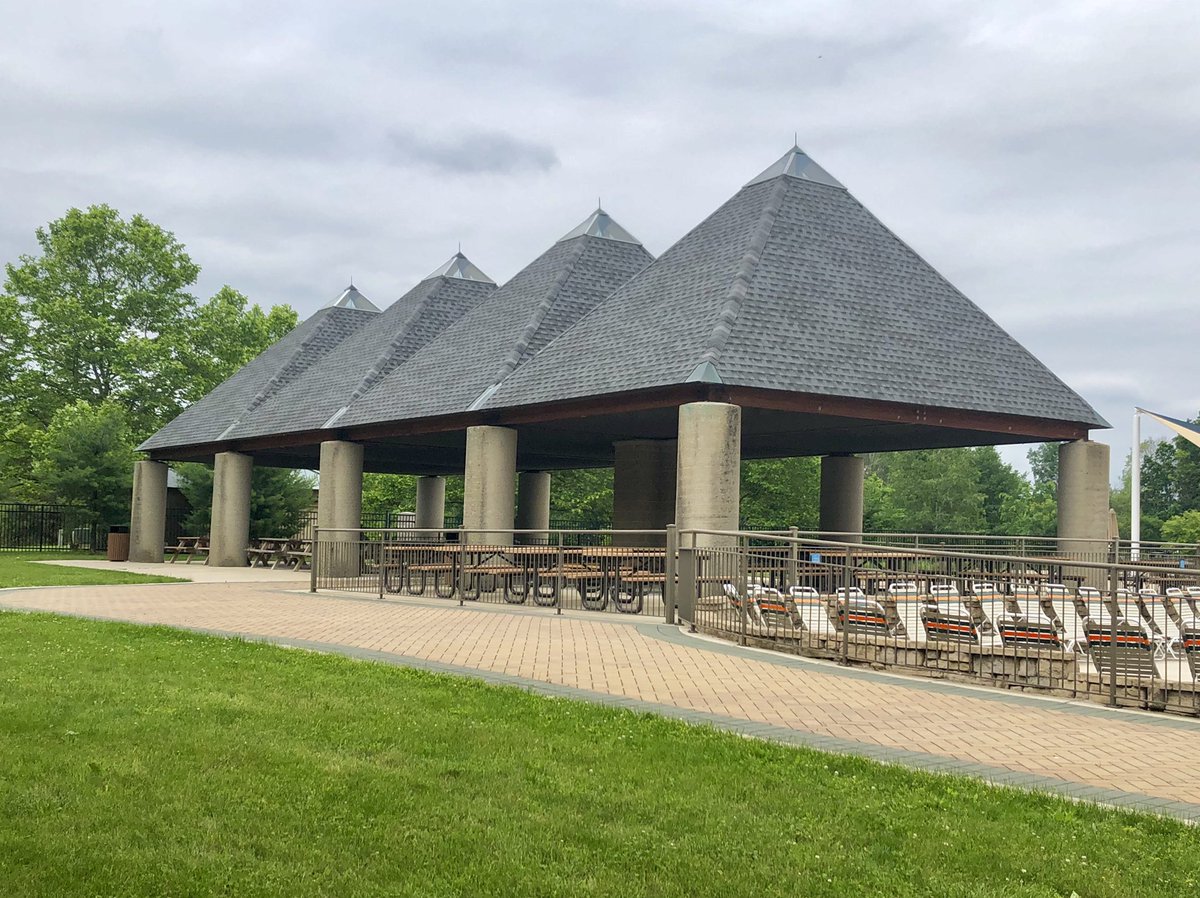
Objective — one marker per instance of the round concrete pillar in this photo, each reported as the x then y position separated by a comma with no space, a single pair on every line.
339,507
842,497
148,512
708,483
431,503
489,484
1083,471
533,506
230,537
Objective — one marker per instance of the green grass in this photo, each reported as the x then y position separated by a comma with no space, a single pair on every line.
22,569
148,761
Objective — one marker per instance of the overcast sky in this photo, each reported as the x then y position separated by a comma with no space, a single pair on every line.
1044,156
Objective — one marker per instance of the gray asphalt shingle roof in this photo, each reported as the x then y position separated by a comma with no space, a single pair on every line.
793,285
790,285
539,303
208,420
317,399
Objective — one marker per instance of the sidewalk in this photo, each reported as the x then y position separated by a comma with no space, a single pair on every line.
1128,758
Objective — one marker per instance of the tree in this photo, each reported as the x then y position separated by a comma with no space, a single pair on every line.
85,457
936,490
1183,527
224,334
279,499
1043,465
1002,487
778,493
584,496
103,314
100,307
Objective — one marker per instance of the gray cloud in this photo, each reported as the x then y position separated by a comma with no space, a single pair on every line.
471,153
1040,153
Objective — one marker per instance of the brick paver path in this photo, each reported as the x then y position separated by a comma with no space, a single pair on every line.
1129,758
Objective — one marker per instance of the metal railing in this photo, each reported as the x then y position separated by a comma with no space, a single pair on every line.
1126,633
34,527
591,570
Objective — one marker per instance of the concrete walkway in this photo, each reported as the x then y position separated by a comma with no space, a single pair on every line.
198,572
1127,758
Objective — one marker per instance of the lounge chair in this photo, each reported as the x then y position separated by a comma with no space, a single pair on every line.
812,610
1030,627
949,621
1121,649
1166,631
774,609
862,615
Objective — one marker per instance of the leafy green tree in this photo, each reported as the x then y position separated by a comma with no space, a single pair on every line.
224,334
880,514
937,490
1182,528
279,499
778,493
1001,485
85,457
584,495
1043,465
100,307
104,314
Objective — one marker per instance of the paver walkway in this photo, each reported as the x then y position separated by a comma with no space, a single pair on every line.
1129,758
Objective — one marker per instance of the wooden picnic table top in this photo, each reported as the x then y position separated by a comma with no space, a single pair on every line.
620,552
190,540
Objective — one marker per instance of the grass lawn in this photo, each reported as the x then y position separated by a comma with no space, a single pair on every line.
148,761
22,569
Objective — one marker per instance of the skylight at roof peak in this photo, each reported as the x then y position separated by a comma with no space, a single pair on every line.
459,266
600,224
350,298
796,163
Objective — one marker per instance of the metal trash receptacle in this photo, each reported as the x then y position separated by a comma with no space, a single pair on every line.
118,543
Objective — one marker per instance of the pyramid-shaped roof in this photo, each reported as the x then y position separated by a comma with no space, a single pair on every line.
455,372
211,418
321,397
794,285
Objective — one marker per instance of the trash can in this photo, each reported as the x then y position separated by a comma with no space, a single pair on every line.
118,543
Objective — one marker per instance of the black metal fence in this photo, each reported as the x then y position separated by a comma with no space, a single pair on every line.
1124,633
30,527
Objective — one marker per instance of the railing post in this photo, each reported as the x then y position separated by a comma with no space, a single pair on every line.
312,562
793,563
669,585
558,577
849,579
379,562
1112,642
742,560
686,590
462,567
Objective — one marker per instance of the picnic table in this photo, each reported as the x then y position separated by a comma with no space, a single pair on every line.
189,547
273,551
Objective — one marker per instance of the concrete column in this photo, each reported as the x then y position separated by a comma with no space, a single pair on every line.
339,506
708,482
533,505
148,513
431,503
1083,470
488,488
644,473
842,497
230,536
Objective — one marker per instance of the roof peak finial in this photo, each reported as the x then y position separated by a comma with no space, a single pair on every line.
352,280
795,140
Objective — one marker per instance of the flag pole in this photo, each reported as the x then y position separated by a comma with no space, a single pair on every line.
1135,489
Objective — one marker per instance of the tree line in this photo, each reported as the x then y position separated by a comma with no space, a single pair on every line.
102,341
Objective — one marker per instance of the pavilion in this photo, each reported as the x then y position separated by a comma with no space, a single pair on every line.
788,322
